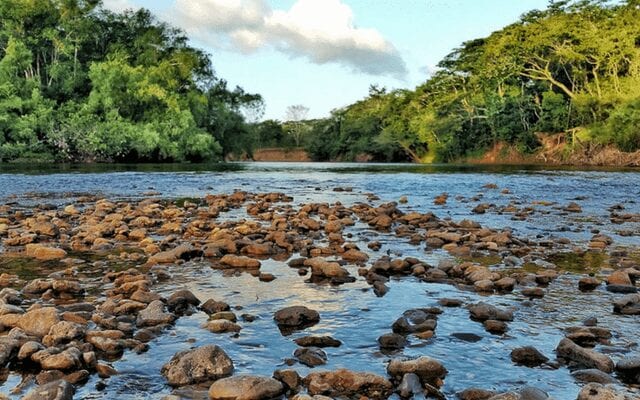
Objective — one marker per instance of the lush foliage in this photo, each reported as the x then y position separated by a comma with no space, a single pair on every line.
80,83
574,67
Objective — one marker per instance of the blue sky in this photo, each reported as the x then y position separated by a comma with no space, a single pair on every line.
325,54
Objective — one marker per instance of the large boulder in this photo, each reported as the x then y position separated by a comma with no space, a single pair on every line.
245,387
203,364
345,383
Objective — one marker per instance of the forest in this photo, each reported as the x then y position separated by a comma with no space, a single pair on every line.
573,68
79,83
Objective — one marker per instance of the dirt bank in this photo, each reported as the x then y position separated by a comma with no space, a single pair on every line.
281,154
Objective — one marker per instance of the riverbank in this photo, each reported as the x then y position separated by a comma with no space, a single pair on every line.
128,288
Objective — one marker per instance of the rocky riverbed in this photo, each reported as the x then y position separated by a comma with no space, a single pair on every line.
243,294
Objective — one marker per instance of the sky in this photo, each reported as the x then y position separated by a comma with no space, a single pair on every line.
325,54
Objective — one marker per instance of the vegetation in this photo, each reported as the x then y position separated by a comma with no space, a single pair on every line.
573,68
80,83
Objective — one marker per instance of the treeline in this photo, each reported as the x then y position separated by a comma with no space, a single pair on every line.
573,68
81,83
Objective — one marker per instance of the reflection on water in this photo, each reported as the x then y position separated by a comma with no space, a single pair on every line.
351,312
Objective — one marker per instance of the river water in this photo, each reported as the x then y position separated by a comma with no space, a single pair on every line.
351,312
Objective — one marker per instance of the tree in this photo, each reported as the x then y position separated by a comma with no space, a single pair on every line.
296,115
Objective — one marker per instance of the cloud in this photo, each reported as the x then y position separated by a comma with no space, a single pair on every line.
322,31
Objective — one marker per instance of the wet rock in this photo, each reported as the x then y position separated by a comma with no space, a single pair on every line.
505,284
592,375
221,326
415,321
181,301
105,371
345,383
628,305
410,386
572,207
234,261
628,369
392,341
154,314
108,342
245,387
311,356
318,341
354,255
296,317
483,286
495,326
323,269
38,322
588,283
467,337
533,293
212,306
228,315
475,394
206,363
37,286
619,277
484,311
43,253
528,356
28,349
56,390
429,370
596,391
450,302
289,378
585,358
65,360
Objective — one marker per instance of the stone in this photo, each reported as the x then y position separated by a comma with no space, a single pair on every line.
38,322
296,317
28,349
628,305
429,370
410,386
65,360
346,383
212,306
392,341
475,394
592,375
317,341
64,332
56,390
582,357
181,301
588,283
628,369
323,269
221,326
154,314
596,391
42,253
495,327
206,363
234,261
484,311
311,356
289,378
619,277
528,356
246,387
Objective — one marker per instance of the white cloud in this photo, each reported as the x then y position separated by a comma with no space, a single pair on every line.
322,31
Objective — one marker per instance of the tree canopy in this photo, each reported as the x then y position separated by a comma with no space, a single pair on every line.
573,68
81,83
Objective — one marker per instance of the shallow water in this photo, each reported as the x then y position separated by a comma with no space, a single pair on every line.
351,312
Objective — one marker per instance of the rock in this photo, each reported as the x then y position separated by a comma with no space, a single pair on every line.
311,356
43,253
484,311
228,315
573,207
212,306
154,314
38,322
354,255
221,326
296,317
528,356
415,321
105,371
592,375
505,284
628,305
619,277
245,387
495,327
56,390
345,383
532,393
318,341
206,363
475,394
628,369
429,370
588,283
240,262
28,349
392,341
586,358
289,378
596,391
450,302
64,332
323,269
181,301
409,386
533,293
65,360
